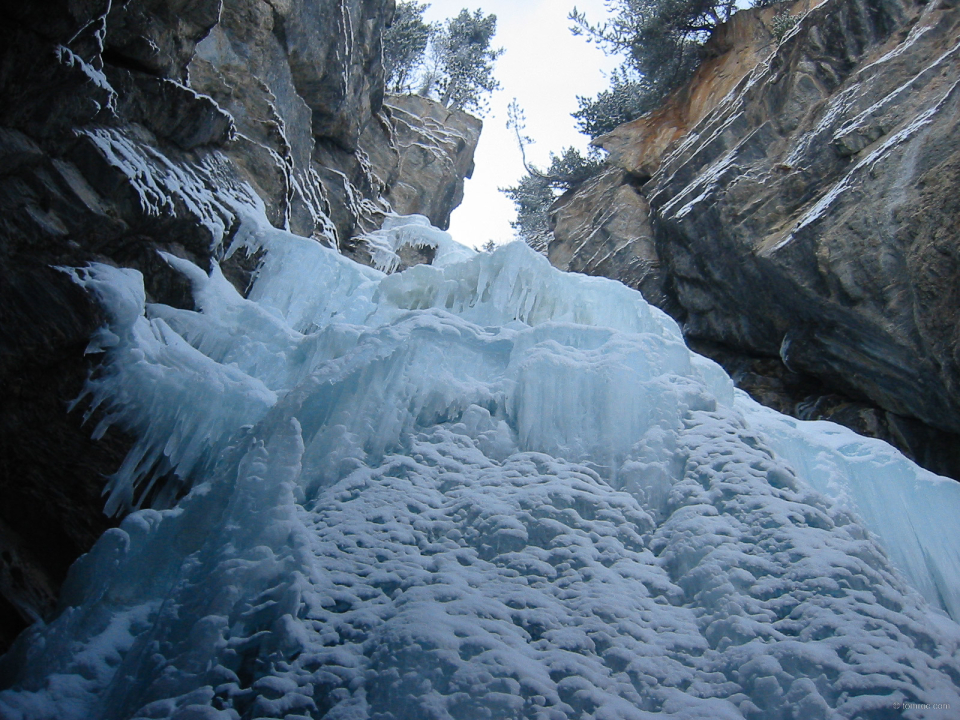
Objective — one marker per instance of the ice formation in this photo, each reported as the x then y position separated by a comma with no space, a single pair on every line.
477,489
416,230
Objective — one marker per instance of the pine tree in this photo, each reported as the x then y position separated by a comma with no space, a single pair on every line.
630,96
404,46
464,60
536,191
660,40
450,62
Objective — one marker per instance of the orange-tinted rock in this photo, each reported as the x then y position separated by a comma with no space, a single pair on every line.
733,51
803,207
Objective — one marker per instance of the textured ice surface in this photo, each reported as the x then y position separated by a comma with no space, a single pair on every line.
912,510
483,489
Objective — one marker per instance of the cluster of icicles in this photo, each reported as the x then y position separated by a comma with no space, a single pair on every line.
477,489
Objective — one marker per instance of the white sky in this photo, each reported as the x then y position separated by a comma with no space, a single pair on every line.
545,68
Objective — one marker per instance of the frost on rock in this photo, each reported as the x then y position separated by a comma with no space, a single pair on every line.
483,489
206,189
66,56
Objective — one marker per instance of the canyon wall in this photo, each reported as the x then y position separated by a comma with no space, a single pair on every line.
794,207
128,128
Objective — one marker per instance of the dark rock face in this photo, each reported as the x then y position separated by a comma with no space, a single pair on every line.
158,36
788,208
128,128
301,80
48,466
811,216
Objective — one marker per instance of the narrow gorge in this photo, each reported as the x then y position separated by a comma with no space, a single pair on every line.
275,445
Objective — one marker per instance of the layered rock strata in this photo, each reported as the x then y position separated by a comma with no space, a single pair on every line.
128,128
802,208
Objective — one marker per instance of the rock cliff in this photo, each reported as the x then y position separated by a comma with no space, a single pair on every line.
794,207
128,128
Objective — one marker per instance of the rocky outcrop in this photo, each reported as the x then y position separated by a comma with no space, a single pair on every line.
733,51
426,154
128,128
809,215
603,228
414,159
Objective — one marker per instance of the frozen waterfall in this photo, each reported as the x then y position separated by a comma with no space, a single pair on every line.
477,489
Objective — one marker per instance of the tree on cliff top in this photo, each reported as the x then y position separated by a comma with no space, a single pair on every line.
450,62
404,45
460,70
629,96
660,41
536,191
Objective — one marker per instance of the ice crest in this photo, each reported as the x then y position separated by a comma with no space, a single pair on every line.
416,231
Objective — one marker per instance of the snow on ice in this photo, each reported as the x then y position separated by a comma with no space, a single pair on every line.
477,489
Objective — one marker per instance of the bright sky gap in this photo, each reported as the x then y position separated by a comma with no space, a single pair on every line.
545,68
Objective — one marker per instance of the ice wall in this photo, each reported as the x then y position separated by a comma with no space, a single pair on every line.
482,488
